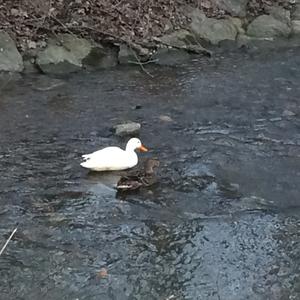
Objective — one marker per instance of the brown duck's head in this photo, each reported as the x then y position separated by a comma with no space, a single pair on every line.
150,166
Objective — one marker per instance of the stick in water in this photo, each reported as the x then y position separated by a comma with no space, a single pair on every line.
10,237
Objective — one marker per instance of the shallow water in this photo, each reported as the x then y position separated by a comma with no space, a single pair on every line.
222,223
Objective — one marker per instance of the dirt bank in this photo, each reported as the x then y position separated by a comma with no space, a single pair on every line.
137,21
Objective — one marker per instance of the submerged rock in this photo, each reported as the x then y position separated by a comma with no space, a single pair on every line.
267,26
10,58
101,58
30,67
197,170
127,128
127,55
45,83
252,203
212,30
170,57
254,42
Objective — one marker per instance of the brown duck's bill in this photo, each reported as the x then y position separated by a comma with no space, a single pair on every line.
143,148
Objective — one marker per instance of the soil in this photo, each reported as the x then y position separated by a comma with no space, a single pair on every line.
30,22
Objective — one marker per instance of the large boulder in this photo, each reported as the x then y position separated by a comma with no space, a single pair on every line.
267,26
63,55
10,58
68,53
212,30
234,7
296,27
182,39
280,14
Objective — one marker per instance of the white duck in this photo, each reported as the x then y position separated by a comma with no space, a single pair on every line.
114,158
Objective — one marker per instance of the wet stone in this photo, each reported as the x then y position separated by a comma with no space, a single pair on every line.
130,128
288,113
197,170
165,118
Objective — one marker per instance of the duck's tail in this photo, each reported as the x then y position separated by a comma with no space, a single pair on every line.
86,164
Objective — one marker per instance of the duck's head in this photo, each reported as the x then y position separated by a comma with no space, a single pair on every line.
151,165
135,143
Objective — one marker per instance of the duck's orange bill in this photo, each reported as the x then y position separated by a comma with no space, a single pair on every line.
143,149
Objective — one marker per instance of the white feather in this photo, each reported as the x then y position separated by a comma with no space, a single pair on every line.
113,158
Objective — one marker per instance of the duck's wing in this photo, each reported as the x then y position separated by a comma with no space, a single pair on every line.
110,159
128,185
108,151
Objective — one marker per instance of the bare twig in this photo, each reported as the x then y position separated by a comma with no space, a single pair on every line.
141,64
10,237
63,25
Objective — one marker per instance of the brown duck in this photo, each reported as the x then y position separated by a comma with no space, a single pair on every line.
135,180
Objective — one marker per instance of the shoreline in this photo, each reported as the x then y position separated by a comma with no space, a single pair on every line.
66,50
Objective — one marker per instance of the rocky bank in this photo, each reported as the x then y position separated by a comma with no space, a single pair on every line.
201,33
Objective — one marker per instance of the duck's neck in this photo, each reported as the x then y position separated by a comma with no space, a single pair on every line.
129,149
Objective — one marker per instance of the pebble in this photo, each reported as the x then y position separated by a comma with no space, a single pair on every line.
288,113
165,118
127,128
103,273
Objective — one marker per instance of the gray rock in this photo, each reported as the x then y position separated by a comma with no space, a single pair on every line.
30,67
126,55
197,170
252,203
165,118
9,80
68,54
296,13
288,113
179,38
238,25
64,55
266,26
127,128
234,7
280,14
170,57
10,58
183,39
253,42
296,27
101,58
212,30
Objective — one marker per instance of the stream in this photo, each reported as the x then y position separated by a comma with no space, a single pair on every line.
223,221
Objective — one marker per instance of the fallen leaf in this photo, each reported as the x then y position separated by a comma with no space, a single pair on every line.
102,273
